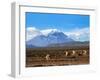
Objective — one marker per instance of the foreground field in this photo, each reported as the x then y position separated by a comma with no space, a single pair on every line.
59,56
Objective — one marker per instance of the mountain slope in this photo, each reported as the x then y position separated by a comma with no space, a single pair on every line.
54,37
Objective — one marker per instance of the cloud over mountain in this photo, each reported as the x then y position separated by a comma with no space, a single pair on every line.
79,34
46,37
76,34
32,32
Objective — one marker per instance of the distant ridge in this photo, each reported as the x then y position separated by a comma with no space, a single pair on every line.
71,44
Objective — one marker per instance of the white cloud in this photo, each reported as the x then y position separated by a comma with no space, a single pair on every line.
79,34
76,34
32,32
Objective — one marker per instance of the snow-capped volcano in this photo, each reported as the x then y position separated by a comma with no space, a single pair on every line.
33,32
46,37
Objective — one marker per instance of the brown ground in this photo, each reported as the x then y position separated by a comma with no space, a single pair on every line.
36,57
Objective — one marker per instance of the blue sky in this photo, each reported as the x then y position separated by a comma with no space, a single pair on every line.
74,25
64,22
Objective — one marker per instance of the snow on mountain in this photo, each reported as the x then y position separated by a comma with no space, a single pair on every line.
32,32
58,37
42,38
47,37
47,31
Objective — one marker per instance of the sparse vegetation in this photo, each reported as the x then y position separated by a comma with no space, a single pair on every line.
36,57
